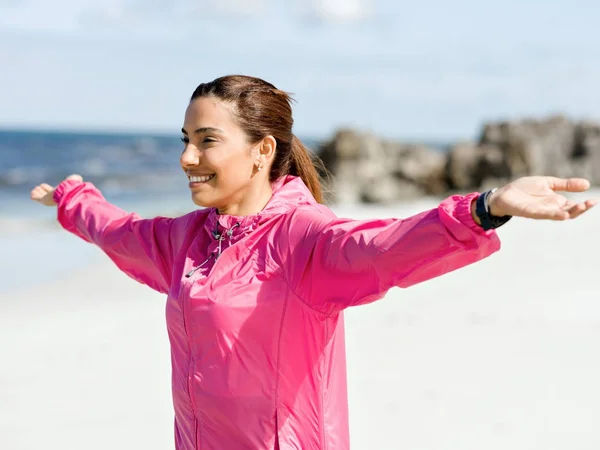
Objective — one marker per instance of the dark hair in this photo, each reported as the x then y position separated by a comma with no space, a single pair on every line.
262,110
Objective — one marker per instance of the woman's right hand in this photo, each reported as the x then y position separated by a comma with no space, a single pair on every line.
43,193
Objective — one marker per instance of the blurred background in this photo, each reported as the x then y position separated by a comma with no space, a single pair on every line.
100,87
405,102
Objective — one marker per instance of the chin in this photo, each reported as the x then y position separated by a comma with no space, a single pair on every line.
204,201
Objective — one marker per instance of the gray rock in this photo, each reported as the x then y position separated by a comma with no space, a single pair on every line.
422,166
533,147
366,168
586,152
468,164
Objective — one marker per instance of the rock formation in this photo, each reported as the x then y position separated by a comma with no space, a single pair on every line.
366,168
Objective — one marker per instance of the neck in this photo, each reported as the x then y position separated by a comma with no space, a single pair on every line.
252,202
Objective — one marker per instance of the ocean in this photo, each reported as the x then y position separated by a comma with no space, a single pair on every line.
126,167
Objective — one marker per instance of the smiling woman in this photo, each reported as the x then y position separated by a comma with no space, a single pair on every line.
234,128
257,280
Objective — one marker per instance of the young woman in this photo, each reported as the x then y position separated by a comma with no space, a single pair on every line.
258,279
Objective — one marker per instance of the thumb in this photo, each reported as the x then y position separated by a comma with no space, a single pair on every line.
568,184
74,177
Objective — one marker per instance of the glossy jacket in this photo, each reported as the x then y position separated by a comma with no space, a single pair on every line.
254,303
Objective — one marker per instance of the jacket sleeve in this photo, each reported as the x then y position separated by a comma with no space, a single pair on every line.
139,247
341,263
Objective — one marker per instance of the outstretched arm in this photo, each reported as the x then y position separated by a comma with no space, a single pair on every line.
344,263
142,248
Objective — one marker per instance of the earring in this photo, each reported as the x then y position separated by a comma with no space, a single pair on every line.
259,168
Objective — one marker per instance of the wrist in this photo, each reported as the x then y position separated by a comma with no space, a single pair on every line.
488,219
492,203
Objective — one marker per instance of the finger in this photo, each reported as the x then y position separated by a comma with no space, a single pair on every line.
580,208
569,210
568,184
46,187
576,210
568,205
37,193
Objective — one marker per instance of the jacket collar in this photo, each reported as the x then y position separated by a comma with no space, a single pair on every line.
288,192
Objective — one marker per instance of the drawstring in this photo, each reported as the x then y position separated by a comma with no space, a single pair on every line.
193,271
220,238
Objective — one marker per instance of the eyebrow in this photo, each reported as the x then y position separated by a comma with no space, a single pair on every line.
204,130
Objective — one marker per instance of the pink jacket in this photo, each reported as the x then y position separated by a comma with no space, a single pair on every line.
254,303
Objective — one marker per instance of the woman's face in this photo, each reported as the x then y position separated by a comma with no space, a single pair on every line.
219,161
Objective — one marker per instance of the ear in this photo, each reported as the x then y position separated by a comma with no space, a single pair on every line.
266,151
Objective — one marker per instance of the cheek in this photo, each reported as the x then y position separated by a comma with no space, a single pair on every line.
231,165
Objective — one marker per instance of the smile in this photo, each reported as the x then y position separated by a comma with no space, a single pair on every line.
201,178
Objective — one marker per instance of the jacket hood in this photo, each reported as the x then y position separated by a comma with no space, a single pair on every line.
288,192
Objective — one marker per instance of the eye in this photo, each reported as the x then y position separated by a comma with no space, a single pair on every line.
209,139
185,140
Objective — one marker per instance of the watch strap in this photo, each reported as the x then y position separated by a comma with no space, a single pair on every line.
482,210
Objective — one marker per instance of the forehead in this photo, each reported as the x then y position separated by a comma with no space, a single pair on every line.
208,112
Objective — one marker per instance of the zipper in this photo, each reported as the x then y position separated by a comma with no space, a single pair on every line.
186,289
220,238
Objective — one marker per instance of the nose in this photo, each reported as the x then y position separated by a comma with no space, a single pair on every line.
189,157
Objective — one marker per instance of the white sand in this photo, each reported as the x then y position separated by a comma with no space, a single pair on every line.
504,354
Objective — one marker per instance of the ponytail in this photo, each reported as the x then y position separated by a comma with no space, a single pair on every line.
306,165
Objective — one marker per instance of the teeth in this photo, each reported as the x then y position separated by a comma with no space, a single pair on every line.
202,179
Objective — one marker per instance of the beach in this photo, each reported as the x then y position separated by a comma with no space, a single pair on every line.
503,354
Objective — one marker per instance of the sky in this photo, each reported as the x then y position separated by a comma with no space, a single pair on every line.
431,69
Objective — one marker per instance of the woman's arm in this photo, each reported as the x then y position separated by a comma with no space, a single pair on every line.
342,263
142,248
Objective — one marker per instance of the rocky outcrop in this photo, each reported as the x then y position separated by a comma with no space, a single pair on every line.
366,168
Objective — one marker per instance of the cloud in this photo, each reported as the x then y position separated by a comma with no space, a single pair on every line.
341,11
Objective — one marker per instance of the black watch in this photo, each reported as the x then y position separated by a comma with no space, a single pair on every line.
482,210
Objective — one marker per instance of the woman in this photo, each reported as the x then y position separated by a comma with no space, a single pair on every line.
257,280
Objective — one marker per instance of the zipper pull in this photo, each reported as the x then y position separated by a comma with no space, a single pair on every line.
195,269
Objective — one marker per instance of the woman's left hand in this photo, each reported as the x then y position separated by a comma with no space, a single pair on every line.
538,198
